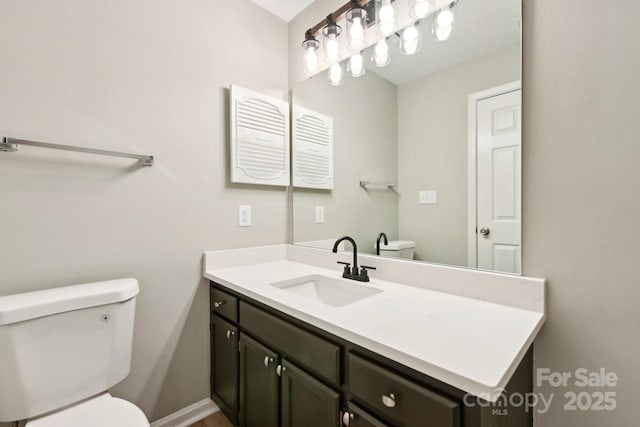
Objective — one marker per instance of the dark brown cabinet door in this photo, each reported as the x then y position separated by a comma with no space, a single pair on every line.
224,366
258,384
358,417
306,402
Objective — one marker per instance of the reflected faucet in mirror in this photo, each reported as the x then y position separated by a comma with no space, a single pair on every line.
353,273
386,242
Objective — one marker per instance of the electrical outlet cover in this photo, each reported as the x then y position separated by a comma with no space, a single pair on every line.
244,216
319,214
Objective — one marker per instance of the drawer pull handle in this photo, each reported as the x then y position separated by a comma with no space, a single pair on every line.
280,369
218,304
267,361
347,417
389,401
230,333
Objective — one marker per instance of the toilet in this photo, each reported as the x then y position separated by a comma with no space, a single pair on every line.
62,349
398,249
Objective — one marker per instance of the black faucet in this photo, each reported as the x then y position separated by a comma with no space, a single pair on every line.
352,273
386,242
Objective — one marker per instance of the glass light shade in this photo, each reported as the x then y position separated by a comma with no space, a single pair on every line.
335,75
356,25
310,46
421,8
380,55
385,17
355,66
410,40
330,34
443,24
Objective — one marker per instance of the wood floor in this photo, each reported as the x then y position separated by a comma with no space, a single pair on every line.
215,420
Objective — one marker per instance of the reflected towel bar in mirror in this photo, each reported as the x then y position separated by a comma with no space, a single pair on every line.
367,184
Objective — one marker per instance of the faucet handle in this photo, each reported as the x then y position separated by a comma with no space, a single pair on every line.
364,276
346,273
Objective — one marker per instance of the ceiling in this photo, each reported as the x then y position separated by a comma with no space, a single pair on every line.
284,9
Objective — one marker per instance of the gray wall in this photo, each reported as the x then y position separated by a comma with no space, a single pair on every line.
365,132
581,200
433,152
146,77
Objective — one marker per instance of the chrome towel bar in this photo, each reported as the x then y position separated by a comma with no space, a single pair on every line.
11,145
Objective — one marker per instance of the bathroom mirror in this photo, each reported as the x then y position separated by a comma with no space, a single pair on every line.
426,149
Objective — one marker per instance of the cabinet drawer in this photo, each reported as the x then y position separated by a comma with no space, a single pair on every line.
398,399
315,354
224,304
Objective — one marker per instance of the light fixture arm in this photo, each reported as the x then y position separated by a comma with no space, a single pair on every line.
337,14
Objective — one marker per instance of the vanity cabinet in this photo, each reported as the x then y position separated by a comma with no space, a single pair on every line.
270,369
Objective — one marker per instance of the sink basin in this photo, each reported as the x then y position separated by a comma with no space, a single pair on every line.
327,290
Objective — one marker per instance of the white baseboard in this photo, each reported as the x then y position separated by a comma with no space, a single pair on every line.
189,415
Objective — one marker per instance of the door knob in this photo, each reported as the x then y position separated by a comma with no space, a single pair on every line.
485,231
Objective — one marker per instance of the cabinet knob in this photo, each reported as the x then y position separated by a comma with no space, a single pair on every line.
267,361
347,417
389,401
230,333
280,369
218,304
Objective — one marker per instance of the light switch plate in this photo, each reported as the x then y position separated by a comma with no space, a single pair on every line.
244,216
319,214
428,197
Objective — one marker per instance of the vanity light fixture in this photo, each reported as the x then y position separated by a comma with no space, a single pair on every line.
444,22
330,34
356,24
410,40
421,8
355,65
385,17
310,46
359,15
380,56
335,75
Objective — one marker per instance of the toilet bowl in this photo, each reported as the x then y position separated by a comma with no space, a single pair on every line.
62,349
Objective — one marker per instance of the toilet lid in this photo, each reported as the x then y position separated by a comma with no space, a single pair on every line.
397,245
100,411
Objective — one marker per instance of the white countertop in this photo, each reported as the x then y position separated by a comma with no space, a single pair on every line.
469,343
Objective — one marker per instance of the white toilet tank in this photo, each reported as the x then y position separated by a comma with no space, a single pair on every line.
63,345
398,249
